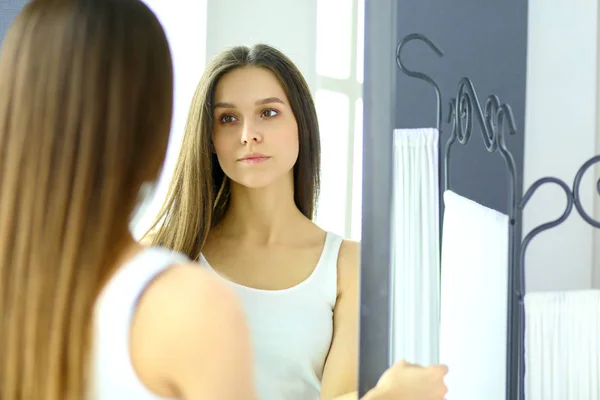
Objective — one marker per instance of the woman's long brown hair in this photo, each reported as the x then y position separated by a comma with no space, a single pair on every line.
85,111
199,193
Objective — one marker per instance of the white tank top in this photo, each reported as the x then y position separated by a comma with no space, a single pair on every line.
113,376
292,329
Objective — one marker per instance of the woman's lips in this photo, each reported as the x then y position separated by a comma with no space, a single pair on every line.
254,159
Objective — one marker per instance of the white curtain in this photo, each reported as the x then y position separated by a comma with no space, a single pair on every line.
562,345
416,246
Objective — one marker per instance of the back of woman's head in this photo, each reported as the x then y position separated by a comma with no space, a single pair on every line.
199,192
85,111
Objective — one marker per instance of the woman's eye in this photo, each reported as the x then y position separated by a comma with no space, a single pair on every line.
227,119
269,113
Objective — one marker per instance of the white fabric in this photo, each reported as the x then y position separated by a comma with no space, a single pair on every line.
415,246
113,376
292,329
562,345
474,299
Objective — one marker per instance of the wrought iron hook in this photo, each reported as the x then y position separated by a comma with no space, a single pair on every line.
421,75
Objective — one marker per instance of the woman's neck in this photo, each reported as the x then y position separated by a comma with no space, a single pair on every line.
262,215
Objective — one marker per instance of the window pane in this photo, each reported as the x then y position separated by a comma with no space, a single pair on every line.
334,28
356,226
333,114
360,41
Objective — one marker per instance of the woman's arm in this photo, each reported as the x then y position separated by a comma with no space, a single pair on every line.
190,337
405,381
402,381
340,380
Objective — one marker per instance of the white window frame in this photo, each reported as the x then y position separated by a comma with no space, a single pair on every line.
351,87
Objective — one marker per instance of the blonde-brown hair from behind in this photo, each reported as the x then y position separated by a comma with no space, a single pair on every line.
85,111
199,193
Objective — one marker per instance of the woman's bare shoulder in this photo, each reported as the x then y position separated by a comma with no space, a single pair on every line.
187,290
190,324
190,281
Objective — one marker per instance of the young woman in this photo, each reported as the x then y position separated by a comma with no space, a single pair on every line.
85,312
242,202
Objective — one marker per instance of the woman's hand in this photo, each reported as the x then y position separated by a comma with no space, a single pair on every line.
405,381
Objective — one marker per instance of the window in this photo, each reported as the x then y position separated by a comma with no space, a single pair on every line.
356,216
333,110
334,38
338,97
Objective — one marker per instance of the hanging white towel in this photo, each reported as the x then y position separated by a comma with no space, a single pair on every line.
474,299
415,246
562,345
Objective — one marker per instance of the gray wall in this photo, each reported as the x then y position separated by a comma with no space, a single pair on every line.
8,11
485,41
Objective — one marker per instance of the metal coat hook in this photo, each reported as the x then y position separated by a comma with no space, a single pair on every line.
420,75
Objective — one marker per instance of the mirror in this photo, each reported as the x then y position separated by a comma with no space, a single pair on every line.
297,279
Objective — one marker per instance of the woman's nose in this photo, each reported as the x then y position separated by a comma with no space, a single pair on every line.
250,134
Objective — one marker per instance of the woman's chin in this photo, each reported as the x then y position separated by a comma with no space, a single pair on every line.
255,182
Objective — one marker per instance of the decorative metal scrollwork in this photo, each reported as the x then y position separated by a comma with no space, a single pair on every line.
573,201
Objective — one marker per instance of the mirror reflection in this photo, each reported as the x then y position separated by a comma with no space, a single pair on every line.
264,184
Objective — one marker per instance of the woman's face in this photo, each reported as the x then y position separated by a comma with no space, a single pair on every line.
255,131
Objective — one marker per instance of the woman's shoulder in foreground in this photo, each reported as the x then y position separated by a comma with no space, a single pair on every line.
189,333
